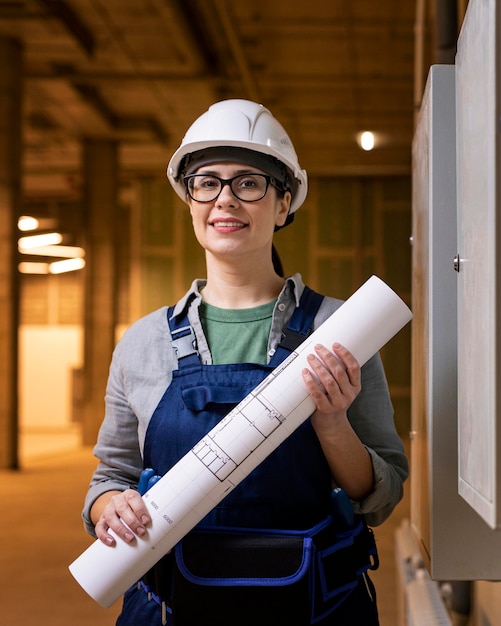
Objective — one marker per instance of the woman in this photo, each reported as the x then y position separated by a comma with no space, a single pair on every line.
238,172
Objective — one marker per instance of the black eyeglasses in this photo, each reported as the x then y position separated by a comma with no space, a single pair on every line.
245,187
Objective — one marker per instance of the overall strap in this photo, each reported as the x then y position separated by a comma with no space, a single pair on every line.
300,325
184,342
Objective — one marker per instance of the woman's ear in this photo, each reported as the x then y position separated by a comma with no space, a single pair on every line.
284,207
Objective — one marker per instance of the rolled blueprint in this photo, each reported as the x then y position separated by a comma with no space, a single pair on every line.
237,444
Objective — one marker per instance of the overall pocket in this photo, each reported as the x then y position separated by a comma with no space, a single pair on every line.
224,576
242,578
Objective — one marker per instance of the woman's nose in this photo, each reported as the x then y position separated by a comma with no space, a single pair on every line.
226,195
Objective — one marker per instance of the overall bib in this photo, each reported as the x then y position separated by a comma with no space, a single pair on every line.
261,532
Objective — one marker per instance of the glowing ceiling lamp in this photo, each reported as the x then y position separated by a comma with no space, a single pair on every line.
367,140
66,265
47,245
71,252
35,241
27,223
26,267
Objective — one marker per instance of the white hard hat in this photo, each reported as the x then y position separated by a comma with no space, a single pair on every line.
241,126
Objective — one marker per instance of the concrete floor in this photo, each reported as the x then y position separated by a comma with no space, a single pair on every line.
41,534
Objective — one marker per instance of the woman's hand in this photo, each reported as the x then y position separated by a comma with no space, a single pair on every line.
124,512
334,386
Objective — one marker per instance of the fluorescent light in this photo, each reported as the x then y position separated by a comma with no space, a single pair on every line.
35,241
56,267
26,222
26,267
367,140
67,265
71,252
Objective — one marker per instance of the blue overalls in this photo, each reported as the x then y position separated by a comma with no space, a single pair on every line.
253,533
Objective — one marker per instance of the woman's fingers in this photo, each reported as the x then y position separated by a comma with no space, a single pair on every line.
126,515
336,379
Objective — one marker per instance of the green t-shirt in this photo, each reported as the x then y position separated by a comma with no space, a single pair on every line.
237,335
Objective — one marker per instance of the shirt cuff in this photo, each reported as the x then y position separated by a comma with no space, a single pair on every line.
377,506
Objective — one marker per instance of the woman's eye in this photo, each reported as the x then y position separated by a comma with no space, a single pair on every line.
247,183
208,183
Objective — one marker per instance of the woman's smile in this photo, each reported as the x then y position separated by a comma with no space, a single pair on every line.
227,225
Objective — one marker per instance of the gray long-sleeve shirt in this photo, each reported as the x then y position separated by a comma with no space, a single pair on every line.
141,370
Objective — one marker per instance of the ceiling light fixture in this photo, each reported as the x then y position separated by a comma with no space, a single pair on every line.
72,252
26,267
27,223
367,140
67,265
35,241
72,257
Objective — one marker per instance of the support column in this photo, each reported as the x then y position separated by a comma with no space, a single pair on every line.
101,184
10,201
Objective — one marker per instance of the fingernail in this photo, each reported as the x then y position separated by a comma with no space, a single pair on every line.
311,357
109,541
128,536
145,520
140,531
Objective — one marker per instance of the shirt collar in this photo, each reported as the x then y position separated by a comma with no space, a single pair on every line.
191,295
293,287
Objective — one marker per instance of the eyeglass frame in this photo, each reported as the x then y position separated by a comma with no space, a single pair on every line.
227,181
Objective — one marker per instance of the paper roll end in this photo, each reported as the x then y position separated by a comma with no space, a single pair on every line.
81,572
